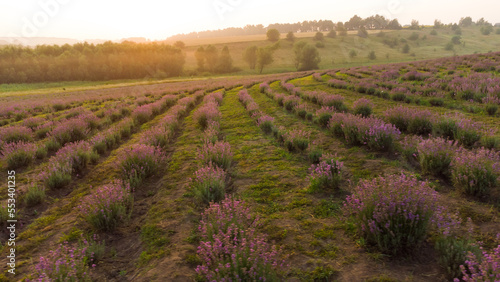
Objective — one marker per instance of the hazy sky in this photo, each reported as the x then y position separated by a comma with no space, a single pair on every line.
110,19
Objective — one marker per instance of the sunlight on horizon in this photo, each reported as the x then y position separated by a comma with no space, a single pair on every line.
158,20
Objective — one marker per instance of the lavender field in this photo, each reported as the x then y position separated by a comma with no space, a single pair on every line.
381,173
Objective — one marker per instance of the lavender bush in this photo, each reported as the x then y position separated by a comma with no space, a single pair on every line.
209,184
326,174
393,213
231,249
107,207
140,162
218,153
475,172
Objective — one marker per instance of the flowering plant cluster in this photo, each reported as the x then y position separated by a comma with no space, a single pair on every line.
65,263
363,107
71,130
16,133
231,249
475,172
435,155
139,162
326,174
218,154
209,184
394,212
70,159
265,123
107,206
372,132
296,140
481,268
18,154
411,120
207,113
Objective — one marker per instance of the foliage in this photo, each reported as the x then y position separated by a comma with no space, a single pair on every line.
107,206
393,213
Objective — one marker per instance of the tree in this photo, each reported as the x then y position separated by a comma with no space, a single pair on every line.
372,55
250,56
264,58
486,29
200,58
465,22
273,35
353,53
354,23
456,39
319,36
211,57
394,24
362,32
438,24
290,36
332,34
414,24
341,29
180,44
306,56
406,49
225,63
481,21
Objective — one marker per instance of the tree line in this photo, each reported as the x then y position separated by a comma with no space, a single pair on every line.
356,22
85,61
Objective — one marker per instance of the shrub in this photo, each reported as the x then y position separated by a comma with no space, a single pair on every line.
335,101
324,115
435,155
231,249
409,147
315,155
468,133
410,120
72,158
326,174
296,140
34,195
491,109
139,162
209,184
302,110
392,213
363,107
372,55
13,134
373,132
142,114
453,253
290,102
279,97
65,263
265,123
211,133
436,102
18,154
218,154
207,113
157,136
475,173
70,131
483,267
107,207
490,142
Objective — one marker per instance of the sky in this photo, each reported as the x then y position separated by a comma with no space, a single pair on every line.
157,20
